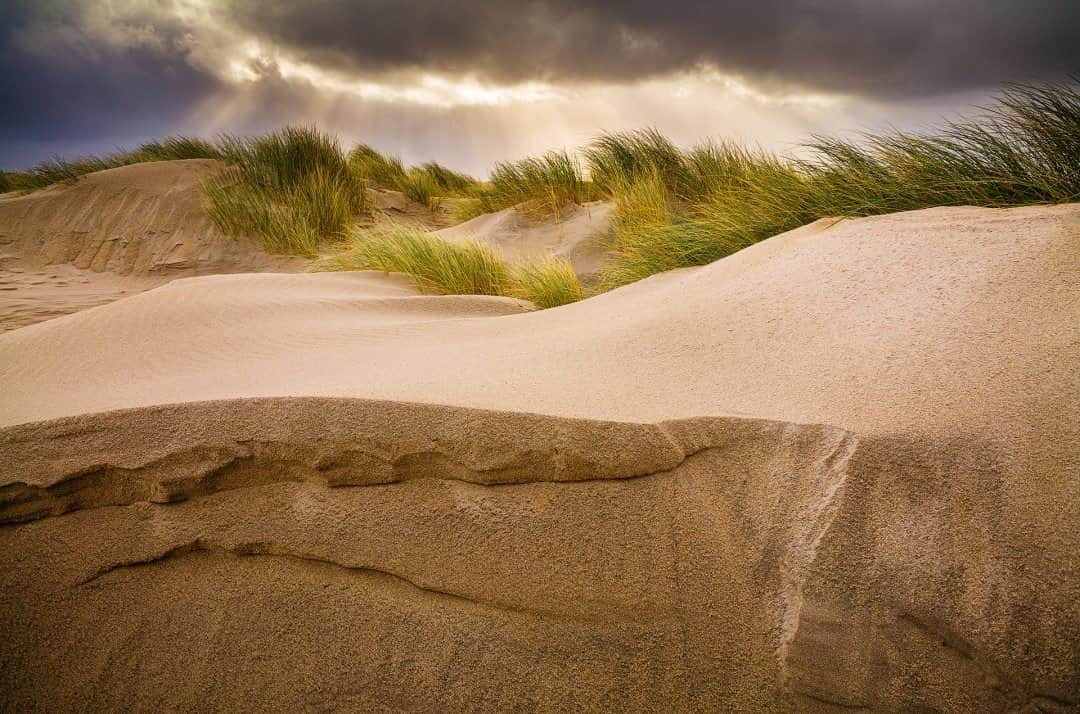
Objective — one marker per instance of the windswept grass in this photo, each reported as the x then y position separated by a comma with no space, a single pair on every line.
674,208
681,208
15,181
447,181
615,159
543,185
468,268
174,148
386,171
293,189
426,183
435,265
1025,149
548,282
469,208
58,169
420,186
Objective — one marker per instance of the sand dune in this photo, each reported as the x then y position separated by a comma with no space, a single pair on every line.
580,235
835,470
881,324
112,233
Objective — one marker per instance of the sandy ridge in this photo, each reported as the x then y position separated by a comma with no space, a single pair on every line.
200,448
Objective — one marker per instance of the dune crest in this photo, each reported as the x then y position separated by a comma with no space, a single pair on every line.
835,470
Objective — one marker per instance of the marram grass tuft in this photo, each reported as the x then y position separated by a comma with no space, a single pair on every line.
451,268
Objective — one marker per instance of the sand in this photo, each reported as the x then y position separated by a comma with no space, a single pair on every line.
112,233
836,470
581,235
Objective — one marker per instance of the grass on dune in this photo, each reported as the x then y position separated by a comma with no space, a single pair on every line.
469,208
15,181
675,207
548,282
294,189
468,268
679,208
380,169
435,265
447,181
544,185
58,169
616,159
426,183
174,148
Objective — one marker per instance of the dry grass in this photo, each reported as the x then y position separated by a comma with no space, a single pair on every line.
544,186
435,265
449,268
58,169
549,282
296,190
680,208
293,189
425,184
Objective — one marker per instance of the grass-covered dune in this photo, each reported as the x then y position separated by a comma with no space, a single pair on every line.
58,169
300,192
680,207
295,189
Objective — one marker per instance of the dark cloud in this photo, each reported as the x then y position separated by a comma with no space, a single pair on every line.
884,48
56,83
92,73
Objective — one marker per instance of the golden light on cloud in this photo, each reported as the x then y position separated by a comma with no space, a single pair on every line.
215,43
246,79
427,89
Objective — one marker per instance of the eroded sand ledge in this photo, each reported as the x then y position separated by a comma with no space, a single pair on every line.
744,561
324,491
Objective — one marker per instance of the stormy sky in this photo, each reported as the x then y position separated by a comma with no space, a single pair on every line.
471,82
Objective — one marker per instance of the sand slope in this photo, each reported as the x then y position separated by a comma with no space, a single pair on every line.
112,233
836,470
580,235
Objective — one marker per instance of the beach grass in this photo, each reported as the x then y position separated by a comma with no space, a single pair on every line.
294,189
15,181
678,208
469,208
442,267
380,169
547,282
674,207
435,265
426,183
543,185
58,169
